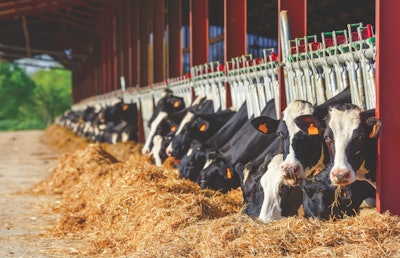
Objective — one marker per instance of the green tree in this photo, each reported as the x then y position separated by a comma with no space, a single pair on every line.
16,91
52,95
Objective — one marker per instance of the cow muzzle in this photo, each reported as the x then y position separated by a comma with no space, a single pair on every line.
291,174
341,176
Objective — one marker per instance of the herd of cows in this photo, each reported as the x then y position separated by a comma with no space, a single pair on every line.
322,158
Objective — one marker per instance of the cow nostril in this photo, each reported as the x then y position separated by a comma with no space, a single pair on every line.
341,175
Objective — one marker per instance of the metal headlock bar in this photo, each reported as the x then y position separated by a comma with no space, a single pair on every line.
314,71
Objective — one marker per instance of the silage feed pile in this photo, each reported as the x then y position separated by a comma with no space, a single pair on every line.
125,206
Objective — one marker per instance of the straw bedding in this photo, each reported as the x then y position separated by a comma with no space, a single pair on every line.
124,206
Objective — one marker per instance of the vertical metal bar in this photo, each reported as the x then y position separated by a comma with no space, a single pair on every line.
297,13
158,41
174,37
144,43
199,38
135,22
388,95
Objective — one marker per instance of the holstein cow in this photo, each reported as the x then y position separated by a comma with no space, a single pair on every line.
218,172
194,159
271,190
340,188
323,200
168,104
199,106
295,153
201,127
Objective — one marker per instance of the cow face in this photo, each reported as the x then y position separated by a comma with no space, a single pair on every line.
168,104
301,141
194,160
350,136
217,175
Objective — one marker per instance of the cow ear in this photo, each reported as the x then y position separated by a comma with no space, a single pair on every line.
375,125
265,124
203,126
308,124
173,128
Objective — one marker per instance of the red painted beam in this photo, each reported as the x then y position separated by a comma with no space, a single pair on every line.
297,15
135,52
235,23
235,32
388,95
158,40
174,38
144,43
199,36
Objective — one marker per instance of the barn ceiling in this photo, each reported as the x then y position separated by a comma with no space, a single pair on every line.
54,27
31,27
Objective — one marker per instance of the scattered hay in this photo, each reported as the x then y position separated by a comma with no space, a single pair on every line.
125,206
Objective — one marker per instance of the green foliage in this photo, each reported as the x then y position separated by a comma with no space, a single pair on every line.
32,102
52,95
16,91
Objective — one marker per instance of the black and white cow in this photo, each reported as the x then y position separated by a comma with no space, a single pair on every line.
193,161
168,104
323,200
201,127
351,135
218,172
200,105
271,184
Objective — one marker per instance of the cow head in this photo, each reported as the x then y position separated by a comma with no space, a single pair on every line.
168,104
301,139
217,175
193,161
351,136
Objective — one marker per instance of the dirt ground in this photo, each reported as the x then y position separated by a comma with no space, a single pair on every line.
24,161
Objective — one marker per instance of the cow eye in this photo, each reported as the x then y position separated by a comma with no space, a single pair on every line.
328,139
280,134
359,138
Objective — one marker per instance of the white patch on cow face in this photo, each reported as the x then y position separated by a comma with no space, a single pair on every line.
343,123
153,128
155,151
184,121
271,209
114,138
293,110
189,152
208,163
124,137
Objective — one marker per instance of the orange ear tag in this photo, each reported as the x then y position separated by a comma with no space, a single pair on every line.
263,128
172,128
125,107
203,128
177,104
312,130
373,132
228,173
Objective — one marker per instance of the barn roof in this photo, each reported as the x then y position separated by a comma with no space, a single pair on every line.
54,27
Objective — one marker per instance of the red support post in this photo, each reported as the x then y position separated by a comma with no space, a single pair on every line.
297,15
144,43
199,37
135,52
388,95
158,40
235,34
174,38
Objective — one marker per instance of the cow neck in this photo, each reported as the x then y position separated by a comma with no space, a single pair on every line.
319,166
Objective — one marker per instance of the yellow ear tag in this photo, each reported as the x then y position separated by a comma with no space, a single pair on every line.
263,128
312,130
228,173
203,128
177,104
172,128
125,107
373,132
